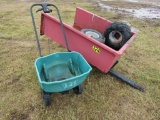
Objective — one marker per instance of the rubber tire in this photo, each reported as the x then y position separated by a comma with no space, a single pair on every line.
78,89
120,27
100,38
46,98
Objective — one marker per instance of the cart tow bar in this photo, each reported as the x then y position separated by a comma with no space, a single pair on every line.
128,81
44,7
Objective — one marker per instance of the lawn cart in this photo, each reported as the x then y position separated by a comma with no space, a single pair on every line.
96,53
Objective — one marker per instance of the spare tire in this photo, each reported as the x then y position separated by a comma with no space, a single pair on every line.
94,34
117,34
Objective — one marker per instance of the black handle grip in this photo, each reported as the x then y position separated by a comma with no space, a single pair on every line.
45,8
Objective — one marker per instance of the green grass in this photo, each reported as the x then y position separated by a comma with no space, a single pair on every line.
104,97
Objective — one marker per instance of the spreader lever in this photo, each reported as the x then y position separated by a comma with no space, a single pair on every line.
46,10
40,9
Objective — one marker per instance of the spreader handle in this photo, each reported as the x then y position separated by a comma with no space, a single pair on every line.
46,10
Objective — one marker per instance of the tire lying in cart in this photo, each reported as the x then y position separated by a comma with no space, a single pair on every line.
94,34
117,34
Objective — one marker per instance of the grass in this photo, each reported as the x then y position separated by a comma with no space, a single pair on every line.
104,97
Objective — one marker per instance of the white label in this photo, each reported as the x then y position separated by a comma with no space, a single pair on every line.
69,84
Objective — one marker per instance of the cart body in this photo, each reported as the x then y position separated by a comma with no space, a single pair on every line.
96,53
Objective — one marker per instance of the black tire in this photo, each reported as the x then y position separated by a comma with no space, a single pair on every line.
78,89
46,98
117,34
94,34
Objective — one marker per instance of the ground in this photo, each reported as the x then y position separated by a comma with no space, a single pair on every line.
104,97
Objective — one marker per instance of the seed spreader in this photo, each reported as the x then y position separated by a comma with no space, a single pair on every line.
60,71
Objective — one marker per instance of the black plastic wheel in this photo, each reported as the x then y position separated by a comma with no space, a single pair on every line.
94,34
46,98
78,89
117,34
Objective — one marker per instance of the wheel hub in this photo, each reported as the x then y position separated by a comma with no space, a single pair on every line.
92,34
115,37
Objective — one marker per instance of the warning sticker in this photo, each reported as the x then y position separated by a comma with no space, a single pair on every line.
96,49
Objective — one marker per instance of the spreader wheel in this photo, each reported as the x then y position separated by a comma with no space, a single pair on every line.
46,98
78,89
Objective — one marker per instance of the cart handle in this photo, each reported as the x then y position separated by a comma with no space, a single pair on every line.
46,10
